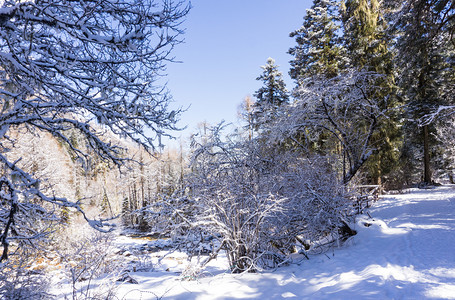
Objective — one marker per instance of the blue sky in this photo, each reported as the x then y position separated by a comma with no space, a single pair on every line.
226,42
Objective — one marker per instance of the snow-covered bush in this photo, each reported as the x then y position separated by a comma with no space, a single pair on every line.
85,255
17,281
317,204
258,200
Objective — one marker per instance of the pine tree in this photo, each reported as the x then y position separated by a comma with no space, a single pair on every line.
426,57
319,53
369,49
271,95
318,50
364,35
64,215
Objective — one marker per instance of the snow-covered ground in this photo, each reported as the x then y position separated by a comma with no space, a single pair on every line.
405,251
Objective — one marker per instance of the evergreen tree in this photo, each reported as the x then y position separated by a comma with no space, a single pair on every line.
365,36
426,57
271,95
368,48
318,49
318,54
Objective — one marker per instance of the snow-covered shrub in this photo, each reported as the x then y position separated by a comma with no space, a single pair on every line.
258,199
86,255
18,281
316,203
169,216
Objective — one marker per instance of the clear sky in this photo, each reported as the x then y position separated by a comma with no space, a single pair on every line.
226,42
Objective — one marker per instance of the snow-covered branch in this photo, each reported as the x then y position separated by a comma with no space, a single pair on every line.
443,112
90,67
342,108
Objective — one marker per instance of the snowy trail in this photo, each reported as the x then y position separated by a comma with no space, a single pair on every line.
406,252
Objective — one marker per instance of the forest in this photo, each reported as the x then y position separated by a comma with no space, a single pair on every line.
84,114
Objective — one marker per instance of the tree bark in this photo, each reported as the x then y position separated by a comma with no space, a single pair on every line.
426,156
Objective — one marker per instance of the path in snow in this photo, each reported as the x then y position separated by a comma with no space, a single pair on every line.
406,252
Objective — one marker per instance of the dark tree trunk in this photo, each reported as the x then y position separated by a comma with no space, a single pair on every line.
426,156
4,236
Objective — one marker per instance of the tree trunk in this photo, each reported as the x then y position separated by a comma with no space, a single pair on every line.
426,156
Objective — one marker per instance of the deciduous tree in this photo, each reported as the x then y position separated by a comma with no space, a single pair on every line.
65,65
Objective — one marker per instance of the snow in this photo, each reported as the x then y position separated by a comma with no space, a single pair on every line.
405,250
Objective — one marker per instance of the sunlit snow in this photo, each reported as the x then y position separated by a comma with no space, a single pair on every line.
405,250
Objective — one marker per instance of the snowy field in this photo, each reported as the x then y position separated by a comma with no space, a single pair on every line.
405,251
